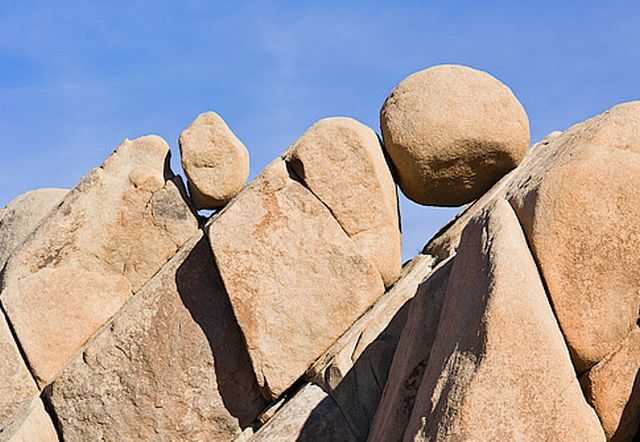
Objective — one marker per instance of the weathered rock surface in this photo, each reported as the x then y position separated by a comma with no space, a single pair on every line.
215,161
582,223
613,388
355,368
16,384
411,356
452,132
295,280
35,427
341,161
109,235
171,365
22,215
445,242
311,415
499,368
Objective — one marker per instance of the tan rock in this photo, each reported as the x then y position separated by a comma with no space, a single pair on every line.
295,280
311,415
170,366
109,235
411,357
22,215
499,368
341,161
215,161
36,427
445,242
354,370
452,132
613,388
16,384
582,223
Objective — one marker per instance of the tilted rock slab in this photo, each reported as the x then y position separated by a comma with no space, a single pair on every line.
109,235
354,370
613,388
309,416
296,281
215,161
499,368
22,215
170,366
341,161
16,384
452,132
411,357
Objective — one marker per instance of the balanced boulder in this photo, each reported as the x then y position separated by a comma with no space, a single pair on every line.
341,161
215,161
452,132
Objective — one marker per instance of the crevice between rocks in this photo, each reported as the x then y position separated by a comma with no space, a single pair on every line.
21,350
50,410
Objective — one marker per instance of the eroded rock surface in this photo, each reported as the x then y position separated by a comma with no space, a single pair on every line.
171,365
109,235
295,280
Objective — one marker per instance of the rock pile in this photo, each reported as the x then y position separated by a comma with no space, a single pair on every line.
287,315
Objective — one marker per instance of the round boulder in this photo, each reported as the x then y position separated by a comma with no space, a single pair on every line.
452,132
215,161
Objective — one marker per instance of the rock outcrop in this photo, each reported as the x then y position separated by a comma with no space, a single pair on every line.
215,161
109,235
271,234
452,132
286,314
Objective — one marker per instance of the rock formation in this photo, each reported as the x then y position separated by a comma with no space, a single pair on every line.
286,315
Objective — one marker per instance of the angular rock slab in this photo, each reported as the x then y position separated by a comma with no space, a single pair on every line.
355,368
311,415
411,356
36,425
295,280
170,366
109,235
341,161
16,384
215,161
22,215
499,368
613,388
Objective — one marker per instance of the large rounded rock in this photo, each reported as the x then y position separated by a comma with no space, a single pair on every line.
452,132
215,161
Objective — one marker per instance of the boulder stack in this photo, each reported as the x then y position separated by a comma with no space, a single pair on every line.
287,316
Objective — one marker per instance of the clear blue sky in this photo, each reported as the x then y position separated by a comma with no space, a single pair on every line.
78,77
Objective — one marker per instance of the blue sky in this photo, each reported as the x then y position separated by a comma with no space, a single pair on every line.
78,77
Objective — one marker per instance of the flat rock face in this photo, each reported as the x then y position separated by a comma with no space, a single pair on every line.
16,384
215,161
613,388
22,215
356,367
311,415
452,132
36,426
295,280
499,368
109,235
341,161
171,366
411,356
